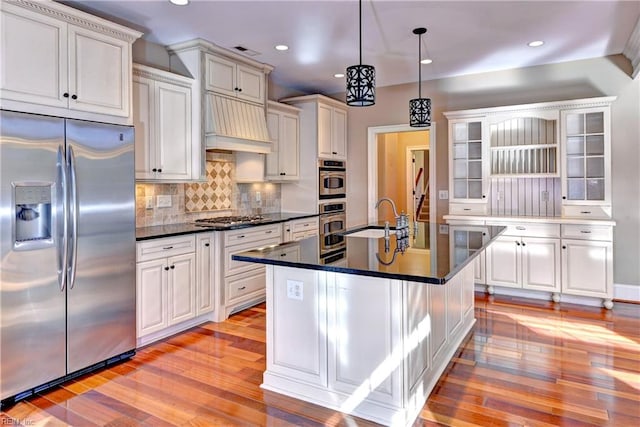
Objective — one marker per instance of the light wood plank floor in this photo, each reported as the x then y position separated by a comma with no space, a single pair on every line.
526,363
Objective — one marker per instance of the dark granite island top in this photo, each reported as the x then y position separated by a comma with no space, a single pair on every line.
436,254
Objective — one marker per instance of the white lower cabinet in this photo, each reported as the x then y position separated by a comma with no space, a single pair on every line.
206,278
299,229
565,257
587,258
527,263
173,283
243,283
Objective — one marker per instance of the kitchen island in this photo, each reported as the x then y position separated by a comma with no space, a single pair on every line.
369,330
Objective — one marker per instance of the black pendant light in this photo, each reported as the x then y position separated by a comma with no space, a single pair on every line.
361,80
420,108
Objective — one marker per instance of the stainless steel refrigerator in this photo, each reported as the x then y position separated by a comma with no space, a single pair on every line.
67,249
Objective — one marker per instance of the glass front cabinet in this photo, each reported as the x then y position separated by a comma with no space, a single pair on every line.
586,171
468,166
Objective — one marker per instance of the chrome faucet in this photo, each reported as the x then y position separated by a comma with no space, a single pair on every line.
393,205
402,219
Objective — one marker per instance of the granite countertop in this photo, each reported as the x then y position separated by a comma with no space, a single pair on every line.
434,255
159,231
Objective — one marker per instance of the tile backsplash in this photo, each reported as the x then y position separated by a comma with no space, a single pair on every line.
219,196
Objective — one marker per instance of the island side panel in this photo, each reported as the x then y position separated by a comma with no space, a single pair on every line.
296,324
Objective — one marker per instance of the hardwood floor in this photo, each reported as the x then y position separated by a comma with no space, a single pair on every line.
526,363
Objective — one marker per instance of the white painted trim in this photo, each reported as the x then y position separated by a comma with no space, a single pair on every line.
372,165
626,292
632,50
410,177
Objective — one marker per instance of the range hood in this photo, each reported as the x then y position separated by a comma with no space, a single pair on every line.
235,125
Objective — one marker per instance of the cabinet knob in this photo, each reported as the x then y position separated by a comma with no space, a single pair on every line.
282,173
564,197
334,152
524,244
242,288
564,247
518,243
74,96
283,254
173,266
166,268
154,170
206,245
159,170
239,89
484,196
66,95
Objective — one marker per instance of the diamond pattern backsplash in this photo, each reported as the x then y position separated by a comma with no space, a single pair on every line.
215,194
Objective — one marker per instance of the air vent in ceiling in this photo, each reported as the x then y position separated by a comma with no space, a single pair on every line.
246,51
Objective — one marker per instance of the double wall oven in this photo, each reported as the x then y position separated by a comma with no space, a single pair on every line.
333,208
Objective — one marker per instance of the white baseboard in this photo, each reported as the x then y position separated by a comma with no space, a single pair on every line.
624,292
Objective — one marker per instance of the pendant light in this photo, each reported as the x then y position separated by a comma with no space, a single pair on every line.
361,80
420,108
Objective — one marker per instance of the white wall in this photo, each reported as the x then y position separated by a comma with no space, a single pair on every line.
571,80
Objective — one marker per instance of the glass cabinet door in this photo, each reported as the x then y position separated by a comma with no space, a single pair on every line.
585,156
467,160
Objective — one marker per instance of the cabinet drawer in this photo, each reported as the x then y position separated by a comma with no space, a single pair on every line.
529,229
234,267
165,247
587,232
595,212
245,284
304,225
467,209
236,237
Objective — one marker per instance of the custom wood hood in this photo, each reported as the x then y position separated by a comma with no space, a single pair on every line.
235,125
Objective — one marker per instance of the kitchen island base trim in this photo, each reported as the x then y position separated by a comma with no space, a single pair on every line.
376,358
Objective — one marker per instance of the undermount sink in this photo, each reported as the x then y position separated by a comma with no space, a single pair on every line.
371,233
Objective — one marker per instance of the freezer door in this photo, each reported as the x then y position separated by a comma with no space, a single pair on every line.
101,296
32,298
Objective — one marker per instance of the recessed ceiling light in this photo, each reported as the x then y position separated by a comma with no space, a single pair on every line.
426,61
282,47
180,2
535,43
338,75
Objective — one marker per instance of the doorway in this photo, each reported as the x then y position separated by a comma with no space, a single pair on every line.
400,163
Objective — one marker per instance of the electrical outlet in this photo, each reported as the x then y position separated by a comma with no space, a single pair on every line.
164,202
443,229
294,289
148,202
258,197
443,194
544,196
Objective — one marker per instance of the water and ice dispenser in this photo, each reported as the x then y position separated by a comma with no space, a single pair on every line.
32,214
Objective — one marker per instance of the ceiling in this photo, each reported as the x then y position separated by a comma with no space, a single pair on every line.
463,37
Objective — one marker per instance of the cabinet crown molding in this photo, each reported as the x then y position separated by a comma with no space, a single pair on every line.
315,98
79,18
157,74
554,105
209,47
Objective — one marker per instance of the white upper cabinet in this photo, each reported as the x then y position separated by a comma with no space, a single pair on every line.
332,132
586,161
282,164
564,141
234,79
468,166
60,61
162,120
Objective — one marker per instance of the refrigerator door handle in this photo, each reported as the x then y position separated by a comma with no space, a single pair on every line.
62,246
73,207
